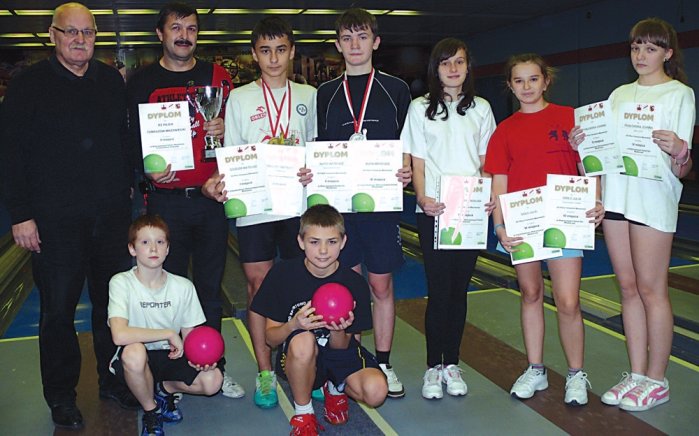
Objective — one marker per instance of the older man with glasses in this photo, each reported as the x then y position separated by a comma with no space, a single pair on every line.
66,180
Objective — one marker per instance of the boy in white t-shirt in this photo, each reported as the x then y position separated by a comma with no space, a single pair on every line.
150,313
275,110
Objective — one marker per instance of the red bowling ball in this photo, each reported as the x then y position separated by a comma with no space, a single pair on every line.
333,301
204,346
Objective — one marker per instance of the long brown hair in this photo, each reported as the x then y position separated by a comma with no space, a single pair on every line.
659,32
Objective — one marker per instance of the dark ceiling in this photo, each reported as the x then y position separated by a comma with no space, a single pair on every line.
24,23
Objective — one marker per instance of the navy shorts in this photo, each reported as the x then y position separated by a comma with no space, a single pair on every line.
332,364
260,242
615,216
162,367
376,244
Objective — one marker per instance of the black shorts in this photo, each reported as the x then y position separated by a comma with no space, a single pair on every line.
615,216
162,367
259,242
376,244
332,364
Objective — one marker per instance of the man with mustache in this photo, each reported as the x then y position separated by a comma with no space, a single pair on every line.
66,177
198,225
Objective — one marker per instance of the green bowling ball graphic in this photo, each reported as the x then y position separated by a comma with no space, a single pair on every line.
630,167
554,238
362,202
235,208
154,163
524,251
592,164
447,236
314,199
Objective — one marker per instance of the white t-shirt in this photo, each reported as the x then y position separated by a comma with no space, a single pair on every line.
448,147
647,201
174,306
247,122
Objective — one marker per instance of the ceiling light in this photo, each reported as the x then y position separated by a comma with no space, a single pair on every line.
321,12
138,11
16,35
405,13
34,12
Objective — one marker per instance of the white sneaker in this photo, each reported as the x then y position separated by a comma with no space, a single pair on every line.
395,387
531,381
230,388
451,376
648,394
628,381
432,383
576,389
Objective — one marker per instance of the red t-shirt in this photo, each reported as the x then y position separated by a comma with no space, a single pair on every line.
528,146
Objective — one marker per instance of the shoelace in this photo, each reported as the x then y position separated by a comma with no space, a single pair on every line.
454,372
432,375
578,381
643,389
529,375
170,400
266,384
150,422
391,375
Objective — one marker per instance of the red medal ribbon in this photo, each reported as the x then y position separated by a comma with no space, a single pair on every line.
362,110
278,109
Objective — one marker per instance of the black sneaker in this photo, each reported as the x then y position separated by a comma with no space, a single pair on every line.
67,415
121,395
152,424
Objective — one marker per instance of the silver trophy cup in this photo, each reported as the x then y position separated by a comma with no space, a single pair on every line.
207,100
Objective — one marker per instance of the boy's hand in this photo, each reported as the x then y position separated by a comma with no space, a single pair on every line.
203,368
176,346
343,324
306,319
305,176
405,175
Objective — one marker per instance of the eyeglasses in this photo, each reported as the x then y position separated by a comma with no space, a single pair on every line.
72,32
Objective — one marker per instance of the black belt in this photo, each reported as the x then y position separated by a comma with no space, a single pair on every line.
194,191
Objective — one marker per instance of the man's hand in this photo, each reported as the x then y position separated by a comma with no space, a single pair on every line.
215,188
215,128
166,176
305,176
26,235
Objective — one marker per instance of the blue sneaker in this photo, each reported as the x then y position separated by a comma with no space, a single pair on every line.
168,409
266,390
152,424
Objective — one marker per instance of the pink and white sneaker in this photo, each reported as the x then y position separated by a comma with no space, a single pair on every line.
628,381
648,394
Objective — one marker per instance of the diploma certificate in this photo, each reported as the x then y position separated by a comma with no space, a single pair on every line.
166,136
567,200
599,152
524,215
376,187
282,165
332,176
636,122
246,180
464,223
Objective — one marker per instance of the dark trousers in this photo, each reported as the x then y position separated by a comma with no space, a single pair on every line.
198,229
75,249
448,274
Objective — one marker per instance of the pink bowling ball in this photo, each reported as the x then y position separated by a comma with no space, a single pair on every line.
333,301
204,346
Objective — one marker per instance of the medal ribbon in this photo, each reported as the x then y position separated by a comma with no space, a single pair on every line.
362,110
278,109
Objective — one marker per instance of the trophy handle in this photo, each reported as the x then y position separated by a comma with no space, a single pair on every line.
189,94
225,84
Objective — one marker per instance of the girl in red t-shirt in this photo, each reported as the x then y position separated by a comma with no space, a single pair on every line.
525,147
